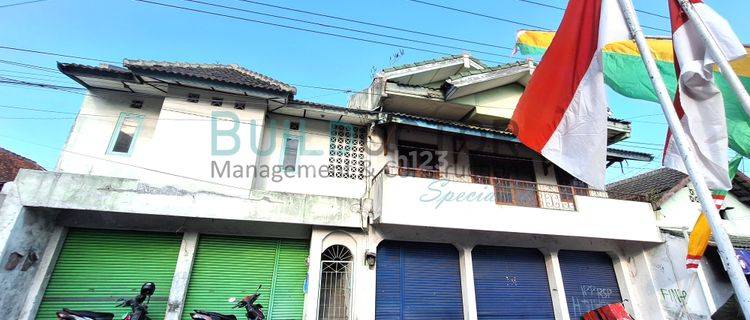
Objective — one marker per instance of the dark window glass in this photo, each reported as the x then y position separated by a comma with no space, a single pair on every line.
290,154
125,135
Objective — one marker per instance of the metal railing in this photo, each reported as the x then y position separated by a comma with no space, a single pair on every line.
517,192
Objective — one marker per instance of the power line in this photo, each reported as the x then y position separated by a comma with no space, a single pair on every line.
297,28
479,14
20,3
376,24
347,29
563,9
57,54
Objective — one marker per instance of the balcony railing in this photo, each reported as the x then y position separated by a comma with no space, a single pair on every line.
517,192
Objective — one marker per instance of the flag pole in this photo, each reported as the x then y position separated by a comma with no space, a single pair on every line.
726,251
718,56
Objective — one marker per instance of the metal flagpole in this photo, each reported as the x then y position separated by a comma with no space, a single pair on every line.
718,55
726,251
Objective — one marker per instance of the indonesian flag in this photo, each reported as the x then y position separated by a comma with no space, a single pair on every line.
698,101
562,114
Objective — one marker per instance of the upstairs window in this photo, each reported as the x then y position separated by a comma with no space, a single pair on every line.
126,132
290,150
418,159
193,97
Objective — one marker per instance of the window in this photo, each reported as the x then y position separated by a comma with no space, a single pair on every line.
346,151
136,104
193,97
217,101
513,178
126,131
289,158
335,283
418,159
570,185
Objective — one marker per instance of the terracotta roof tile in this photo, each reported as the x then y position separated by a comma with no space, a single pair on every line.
11,162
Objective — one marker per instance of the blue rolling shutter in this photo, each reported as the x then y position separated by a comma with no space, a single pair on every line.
589,281
511,283
418,281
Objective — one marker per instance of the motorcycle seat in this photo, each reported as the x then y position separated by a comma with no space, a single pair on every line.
217,315
91,314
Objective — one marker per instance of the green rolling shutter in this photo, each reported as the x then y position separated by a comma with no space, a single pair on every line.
97,267
227,267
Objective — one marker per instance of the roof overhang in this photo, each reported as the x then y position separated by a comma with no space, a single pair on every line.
474,83
613,155
430,72
317,111
109,78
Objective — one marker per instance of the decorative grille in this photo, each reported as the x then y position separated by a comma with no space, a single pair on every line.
335,284
346,156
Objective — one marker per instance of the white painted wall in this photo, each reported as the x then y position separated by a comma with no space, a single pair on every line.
682,209
417,202
315,141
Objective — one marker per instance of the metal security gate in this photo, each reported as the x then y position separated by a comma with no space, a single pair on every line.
334,302
511,283
97,267
417,281
589,280
227,267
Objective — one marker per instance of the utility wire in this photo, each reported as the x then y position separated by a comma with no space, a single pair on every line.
479,14
376,24
563,9
56,54
20,3
348,29
297,28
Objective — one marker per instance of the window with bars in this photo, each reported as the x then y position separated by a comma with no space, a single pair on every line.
334,302
346,155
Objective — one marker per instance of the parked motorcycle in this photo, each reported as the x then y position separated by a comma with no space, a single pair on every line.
253,311
138,309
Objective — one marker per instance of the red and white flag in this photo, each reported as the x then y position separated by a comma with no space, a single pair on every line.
563,111
698,101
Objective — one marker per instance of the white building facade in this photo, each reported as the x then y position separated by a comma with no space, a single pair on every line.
211,180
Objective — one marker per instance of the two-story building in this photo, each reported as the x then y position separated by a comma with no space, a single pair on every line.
413,201
700,294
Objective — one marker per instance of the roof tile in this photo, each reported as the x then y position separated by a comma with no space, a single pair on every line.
232,73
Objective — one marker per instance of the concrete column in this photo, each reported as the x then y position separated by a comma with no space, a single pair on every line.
313,274
467,282
556,287
706,289
43,273
627,289
181,277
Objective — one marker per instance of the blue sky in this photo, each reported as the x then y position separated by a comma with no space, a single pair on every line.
117,29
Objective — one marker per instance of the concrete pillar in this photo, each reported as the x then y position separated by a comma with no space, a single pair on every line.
313,274
467,282
44,272
181,277
627,289
706,289
556,287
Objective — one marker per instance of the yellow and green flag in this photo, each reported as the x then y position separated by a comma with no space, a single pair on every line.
625,73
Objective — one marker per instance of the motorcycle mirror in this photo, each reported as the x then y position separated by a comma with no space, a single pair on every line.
232,300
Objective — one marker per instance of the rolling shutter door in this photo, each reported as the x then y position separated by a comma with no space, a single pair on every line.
95,268
417,281
589,279
227,267
511,283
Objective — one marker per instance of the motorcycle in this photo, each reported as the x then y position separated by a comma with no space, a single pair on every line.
138,309
253,311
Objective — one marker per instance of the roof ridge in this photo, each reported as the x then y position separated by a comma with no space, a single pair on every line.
467,73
